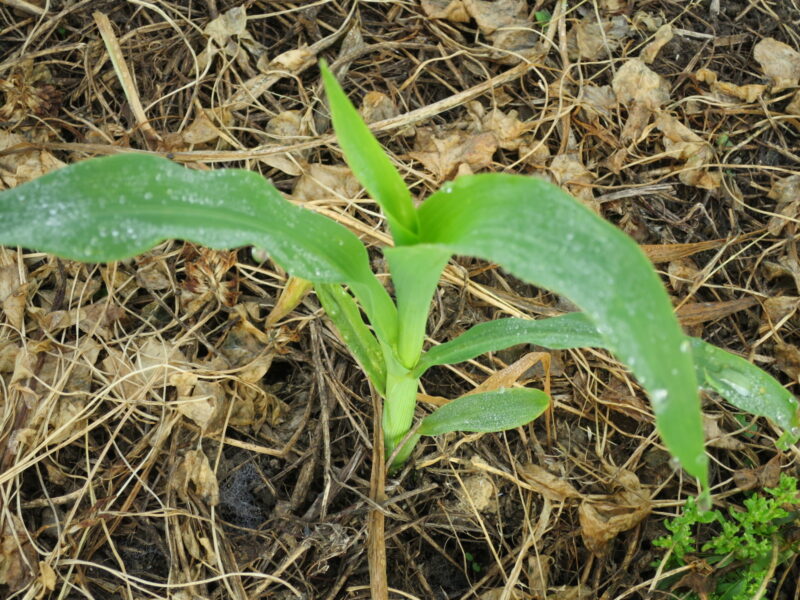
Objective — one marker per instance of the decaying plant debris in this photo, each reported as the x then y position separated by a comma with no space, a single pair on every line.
159,439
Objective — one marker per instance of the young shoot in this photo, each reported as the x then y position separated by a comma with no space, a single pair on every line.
111,208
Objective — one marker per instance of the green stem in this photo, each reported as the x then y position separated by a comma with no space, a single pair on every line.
398,409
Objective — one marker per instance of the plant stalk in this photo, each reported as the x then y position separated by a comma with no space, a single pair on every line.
398,409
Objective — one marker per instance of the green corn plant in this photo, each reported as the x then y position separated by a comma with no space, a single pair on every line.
111,208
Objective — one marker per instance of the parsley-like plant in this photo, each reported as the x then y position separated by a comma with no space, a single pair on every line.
745,550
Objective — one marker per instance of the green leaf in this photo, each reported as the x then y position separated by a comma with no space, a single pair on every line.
415,275
544,236
573,330
370,164
736,380
115,207
487,412
342,309
747,387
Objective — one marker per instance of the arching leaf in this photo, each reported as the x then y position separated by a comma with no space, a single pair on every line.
544,236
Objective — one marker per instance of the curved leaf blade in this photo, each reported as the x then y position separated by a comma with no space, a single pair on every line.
487,412
573,330
415,274
542,235
370,164
746,387
115,207
342,309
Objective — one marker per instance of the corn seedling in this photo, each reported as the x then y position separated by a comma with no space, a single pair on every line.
111,208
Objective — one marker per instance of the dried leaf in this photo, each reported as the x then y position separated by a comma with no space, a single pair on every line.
491,16
95,319
793,108
663,36
450,10
326,181
548,485
69,374
701,583
47,576
477,494
780,62
748,93
602,520
377,106
569,172
17,555
195,477
776,310
787,192
505,23
765,476
718,438
598,101
644,21
661,253
507,129
571,592
696,313
682,143
8,354
286,128
533,152
230,23
539,566
643,91
593,40
153,274
145,369
198,400
13,293
787,359
613,6
441,152
21,166
635,83
206,126
292,61
682,272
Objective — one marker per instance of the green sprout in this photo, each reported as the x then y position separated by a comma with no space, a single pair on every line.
542,17
116,207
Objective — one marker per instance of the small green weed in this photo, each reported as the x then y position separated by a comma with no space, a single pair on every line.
747,546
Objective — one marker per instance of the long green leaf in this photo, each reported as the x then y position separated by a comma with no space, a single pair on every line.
342,309
573,330
115,207
544,236
370,164
415,275
738,381
497,410
747,387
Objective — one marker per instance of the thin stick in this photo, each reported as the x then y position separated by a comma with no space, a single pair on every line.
24,6
124,75
376,541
